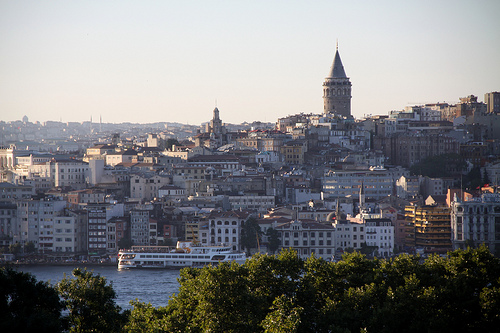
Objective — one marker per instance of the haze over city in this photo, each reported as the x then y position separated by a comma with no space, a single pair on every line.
153,61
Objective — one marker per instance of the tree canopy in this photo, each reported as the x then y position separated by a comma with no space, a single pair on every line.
445,165
250,234
274,240
28,305
284,293
278,293
90,302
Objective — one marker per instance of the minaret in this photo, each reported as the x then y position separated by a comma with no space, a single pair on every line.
337,89
361,198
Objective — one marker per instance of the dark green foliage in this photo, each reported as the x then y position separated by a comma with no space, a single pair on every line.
280,293
283,293
368,250
439,166
171,142
90,302
473,179
144,318
27,305
274,241
125,243
29,248
15,248
250,232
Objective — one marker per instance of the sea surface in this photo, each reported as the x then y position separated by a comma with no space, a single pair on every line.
149,286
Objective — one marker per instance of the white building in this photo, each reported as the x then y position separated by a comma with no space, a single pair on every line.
260,204
476,221
225,228
307,238
378,182
408,187
146,186
140,227
433,186
11,192
172,192
380,233
65,239
36,222
72,173
349,235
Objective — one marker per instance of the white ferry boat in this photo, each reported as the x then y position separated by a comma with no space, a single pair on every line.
185,254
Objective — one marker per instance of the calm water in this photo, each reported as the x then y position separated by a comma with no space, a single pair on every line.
149,286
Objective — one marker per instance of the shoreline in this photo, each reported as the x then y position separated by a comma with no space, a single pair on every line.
68,264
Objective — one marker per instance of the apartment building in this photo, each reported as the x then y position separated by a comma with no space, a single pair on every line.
428,228
225,228
146,186
380,233
307,238
36,222
9,232
378,182
476,221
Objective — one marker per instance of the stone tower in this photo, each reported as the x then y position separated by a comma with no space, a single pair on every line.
337,90
216,122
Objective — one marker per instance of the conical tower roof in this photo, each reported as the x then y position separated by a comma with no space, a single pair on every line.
337,70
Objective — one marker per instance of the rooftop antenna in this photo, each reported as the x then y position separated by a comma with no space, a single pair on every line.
337,48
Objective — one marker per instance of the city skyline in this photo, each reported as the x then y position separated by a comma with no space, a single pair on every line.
163,61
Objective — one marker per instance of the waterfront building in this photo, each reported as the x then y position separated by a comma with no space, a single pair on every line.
36,222
98,217
140,226
8,224
225,228
65,240
307,238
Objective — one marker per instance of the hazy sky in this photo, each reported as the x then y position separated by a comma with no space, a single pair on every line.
148,61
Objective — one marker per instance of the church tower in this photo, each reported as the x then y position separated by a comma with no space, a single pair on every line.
337,89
